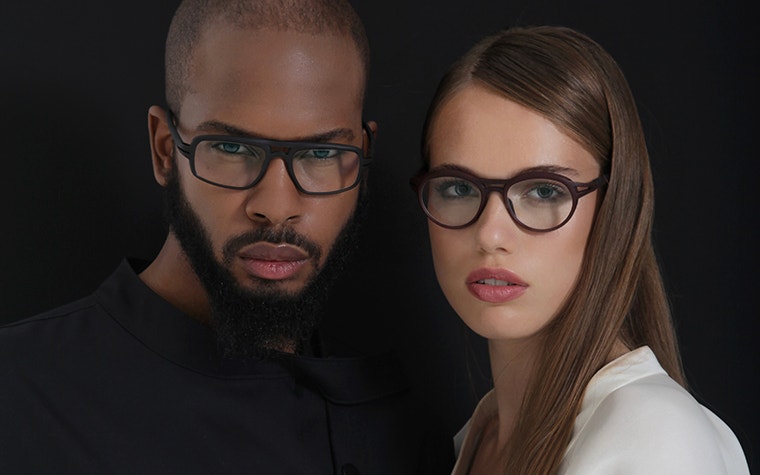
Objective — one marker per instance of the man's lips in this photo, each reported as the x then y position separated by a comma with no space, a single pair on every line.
267,251
271,261
495,285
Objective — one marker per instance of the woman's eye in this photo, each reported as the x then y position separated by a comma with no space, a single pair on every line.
461,189
455,189
547,192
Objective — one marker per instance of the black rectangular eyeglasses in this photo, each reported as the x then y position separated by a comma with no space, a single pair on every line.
240,163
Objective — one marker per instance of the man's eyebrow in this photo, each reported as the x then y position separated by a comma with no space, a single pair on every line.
216,127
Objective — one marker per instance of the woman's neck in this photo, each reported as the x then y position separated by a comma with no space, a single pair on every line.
512,365
511,369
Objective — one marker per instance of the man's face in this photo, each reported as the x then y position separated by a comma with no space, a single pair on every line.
249,323
271,239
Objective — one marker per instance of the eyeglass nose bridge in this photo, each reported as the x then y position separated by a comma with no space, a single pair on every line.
282,152
496,186
499,187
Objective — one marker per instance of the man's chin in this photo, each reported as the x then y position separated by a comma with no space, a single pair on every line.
255,322
267,288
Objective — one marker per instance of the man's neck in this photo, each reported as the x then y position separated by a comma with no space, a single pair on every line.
171,276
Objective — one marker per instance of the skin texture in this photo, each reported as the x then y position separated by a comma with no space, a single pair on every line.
493,137
271,84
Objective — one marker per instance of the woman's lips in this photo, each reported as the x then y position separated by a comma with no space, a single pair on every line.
495,285
270,261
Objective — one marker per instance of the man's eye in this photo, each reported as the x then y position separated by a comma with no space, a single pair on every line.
229,147
229,150
319,154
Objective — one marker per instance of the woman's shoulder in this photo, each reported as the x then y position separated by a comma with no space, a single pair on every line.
637,416
659,405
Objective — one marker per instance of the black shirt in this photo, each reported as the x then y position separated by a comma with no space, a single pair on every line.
121,382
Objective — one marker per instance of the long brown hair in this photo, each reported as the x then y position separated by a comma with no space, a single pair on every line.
572,81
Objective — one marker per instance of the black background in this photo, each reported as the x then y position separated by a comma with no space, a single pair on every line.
78,192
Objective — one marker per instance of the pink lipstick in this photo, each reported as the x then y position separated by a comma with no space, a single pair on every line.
270,261
495,285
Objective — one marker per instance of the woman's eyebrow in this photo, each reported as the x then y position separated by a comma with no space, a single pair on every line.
539,168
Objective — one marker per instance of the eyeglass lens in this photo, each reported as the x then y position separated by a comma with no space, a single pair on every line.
538,203
316,169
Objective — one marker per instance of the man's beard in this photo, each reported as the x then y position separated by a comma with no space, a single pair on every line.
251,324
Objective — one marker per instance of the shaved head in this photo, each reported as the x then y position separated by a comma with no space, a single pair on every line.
193,17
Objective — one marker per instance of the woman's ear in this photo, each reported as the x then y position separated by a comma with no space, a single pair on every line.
161,144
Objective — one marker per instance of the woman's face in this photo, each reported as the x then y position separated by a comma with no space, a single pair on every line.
504,281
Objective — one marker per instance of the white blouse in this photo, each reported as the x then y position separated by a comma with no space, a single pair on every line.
634,419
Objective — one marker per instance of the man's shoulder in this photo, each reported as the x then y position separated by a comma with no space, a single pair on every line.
35,324
42,341
71,315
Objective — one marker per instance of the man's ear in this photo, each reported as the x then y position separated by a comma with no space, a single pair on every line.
161,144
369,132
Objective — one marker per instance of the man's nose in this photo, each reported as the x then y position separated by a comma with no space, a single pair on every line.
274,200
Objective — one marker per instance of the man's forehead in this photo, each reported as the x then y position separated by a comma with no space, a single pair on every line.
234,57
269,42
269,80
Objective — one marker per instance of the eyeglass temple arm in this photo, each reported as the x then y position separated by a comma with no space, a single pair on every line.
590,186
182,146
370,143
